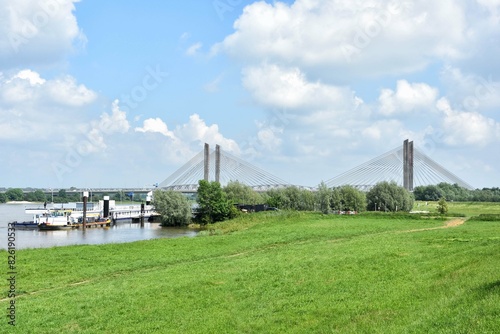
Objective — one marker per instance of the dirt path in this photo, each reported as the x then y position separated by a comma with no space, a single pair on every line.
455,222
450,223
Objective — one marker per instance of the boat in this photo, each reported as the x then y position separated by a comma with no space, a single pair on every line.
25,225
99,222
54,220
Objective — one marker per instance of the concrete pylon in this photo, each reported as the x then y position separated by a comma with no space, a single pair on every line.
206,163
408,165
217,163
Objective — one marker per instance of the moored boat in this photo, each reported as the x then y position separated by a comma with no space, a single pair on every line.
53,220
25,225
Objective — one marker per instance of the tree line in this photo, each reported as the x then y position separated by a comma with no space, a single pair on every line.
215,203
62,196
453,192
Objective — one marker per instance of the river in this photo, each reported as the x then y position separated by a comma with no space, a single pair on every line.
121,232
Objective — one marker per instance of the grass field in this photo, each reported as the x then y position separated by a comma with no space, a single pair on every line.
276,272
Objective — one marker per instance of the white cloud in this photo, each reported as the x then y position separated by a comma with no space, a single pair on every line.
30,106
471,92
193,49
183,142
108,124
197,130
66,91
116,122
37,31
467,128
155,125
288,88
213,86
32,77
345,36
407,98
269,138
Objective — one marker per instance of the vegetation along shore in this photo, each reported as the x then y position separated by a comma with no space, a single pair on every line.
276,272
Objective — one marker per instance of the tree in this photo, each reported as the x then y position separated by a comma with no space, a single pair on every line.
323,198
213,205
39,196
61,196
173,207
277,199
239,193
352,199
442,206
347,198
3,198
14,194
35,196
389,197
428,193
307,200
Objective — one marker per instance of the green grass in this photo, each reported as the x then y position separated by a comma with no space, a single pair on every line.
465,208
275,272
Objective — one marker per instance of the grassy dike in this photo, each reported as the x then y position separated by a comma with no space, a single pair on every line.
275,272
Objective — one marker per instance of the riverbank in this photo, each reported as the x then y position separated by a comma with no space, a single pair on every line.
272,272
20,202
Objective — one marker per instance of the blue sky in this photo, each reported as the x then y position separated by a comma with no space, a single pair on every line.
101,94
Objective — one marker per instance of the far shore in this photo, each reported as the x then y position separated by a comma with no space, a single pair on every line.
20,202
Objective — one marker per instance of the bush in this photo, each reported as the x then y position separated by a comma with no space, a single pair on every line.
387,196
239,193
442,206
173,207
213,203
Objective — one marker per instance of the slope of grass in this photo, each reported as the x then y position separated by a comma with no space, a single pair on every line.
467,208
274,273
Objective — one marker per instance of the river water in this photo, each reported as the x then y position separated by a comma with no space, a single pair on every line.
121,232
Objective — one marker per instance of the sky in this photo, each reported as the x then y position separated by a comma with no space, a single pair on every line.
121,94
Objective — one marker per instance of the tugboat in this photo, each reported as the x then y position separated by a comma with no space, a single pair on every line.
54,220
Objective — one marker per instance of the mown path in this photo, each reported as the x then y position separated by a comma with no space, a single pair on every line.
450,223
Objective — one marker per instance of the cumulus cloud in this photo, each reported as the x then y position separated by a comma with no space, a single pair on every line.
155,125
407,98
37,31
467,128
116,121
186,139
350,36
471,92
193,49
30,105
108,124
288,88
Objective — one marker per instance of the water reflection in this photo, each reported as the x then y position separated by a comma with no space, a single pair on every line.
123,231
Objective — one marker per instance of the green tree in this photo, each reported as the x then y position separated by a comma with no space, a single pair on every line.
428,193
388,196
14,194
213,205
442,206
173,207
307,200
39,196
291,198
352,199
62,197
3,198
323,198
347,198
239,193
277,198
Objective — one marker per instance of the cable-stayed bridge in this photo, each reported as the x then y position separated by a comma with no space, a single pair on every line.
223,167
407,166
